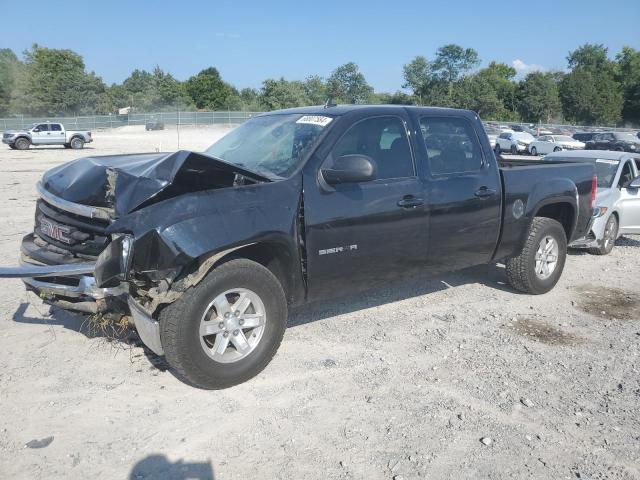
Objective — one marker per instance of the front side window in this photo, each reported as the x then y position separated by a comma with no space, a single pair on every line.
452,145
43,127
271,145
384,140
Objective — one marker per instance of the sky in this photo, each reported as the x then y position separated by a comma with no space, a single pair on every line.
251,41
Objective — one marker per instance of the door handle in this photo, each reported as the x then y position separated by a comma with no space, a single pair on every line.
409,201
484,192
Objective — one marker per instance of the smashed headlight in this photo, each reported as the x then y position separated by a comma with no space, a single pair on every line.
114,263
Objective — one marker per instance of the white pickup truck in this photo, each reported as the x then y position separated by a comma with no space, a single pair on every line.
46,134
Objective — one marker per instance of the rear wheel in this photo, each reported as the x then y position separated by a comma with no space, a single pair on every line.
557,149
497,149
77,143
514,150
539,265
22,144
226,329
609,237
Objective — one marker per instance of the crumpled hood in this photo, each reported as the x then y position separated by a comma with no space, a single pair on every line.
124,182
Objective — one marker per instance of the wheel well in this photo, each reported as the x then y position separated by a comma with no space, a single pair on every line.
272,256
76,136
22,136
562,212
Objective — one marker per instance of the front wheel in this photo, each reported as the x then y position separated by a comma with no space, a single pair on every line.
557,149
539,265
534,151
608,239
22,144
226,329
514,150
497,149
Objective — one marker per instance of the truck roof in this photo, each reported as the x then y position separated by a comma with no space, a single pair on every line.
338,110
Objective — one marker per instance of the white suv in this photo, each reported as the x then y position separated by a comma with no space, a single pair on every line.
514,142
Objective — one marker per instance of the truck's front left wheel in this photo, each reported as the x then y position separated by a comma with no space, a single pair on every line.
539,265
226,329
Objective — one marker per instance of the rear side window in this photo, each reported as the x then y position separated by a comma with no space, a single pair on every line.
452,145
384,139
55,127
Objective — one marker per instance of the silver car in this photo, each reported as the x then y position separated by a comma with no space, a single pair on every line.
617,210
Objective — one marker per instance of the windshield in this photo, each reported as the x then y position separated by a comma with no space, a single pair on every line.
627,137
605,172
272,145
523,136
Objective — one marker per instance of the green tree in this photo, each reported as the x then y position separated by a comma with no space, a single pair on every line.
590,93
250,98
452,62
629,77
501,77
152,91
277,94
538,97
209,91
417,77
10,69
475,92
397,98
55,82
315,88
347,84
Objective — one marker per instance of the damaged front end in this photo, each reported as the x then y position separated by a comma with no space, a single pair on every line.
131,233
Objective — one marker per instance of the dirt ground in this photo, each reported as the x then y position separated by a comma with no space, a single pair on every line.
456,376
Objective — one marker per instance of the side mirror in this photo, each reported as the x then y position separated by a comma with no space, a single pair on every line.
350,169
634,183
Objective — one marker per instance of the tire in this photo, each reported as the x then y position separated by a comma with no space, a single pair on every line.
497,150
609,238
22,143
522,271
77,143
514,150
557,149
191,354
534,151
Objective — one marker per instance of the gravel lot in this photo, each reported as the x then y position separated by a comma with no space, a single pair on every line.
450,377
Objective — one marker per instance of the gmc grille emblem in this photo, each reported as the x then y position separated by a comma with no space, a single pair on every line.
55,231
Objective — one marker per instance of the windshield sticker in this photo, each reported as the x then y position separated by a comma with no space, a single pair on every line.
315,120
610,162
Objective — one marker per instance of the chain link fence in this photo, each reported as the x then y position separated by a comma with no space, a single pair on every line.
112,121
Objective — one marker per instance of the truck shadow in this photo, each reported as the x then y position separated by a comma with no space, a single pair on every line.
158,466
492,276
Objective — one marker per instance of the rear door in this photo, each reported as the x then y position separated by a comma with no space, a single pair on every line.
56,136
361,234
629,202
464,191
40,134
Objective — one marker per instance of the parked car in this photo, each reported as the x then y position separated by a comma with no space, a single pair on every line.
154,125
46,134
553,143
208,250
513,142
617,210
617,141
492,134
583,136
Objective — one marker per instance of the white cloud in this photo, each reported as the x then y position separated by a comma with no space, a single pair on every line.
524,68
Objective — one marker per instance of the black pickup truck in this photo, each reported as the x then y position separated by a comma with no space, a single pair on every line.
206,251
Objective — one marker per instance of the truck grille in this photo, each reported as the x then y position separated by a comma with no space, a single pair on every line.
7,135
62,230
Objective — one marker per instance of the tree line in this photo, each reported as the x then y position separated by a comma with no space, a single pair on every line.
594,89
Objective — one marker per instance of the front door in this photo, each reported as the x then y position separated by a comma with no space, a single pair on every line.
40,134
360,234
629,202
465,194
